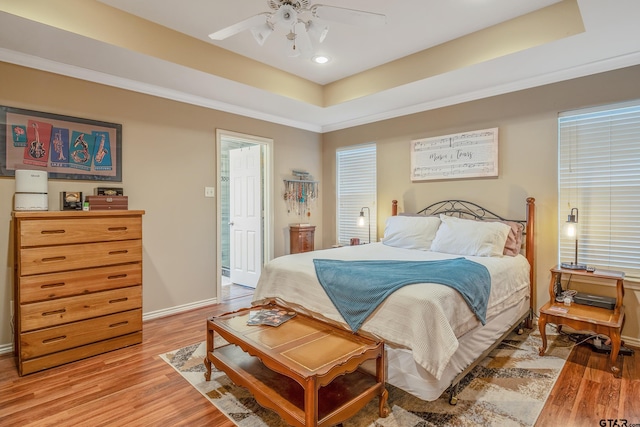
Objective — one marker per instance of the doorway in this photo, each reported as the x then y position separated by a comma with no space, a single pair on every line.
244,236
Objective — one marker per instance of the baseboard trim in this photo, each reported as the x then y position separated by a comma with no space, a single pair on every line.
633,342
8,348
178,309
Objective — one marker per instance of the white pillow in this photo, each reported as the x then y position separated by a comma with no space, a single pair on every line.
467,237
411,232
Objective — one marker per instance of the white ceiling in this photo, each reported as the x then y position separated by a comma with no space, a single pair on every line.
412,26
611,40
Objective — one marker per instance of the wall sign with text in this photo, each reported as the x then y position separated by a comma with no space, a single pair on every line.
66,147
462,155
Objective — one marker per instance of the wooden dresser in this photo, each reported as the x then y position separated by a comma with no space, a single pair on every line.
77,285
302,238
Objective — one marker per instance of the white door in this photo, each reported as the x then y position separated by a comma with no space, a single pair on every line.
245,216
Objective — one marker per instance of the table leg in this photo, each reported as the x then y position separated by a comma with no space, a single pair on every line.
207,362
614,334
311,402
381,376
542,324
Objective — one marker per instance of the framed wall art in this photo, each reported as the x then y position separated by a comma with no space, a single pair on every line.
66,147
462,155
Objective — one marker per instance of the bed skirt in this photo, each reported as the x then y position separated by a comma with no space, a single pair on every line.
403,372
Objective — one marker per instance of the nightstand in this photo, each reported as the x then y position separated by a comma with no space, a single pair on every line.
301,238
584,317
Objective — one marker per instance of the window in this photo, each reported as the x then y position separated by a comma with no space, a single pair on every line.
599,173
356,189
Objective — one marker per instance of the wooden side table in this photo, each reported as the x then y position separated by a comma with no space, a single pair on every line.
302,238
583,317
305,370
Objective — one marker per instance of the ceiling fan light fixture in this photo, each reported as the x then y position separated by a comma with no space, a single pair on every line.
285,17
292,47
262,32
304,25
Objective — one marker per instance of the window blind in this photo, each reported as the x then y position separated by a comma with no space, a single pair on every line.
356,188
599,173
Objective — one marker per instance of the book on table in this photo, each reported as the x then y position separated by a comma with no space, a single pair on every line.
271,316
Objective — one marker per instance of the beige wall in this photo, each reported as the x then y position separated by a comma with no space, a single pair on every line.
527,122
168,158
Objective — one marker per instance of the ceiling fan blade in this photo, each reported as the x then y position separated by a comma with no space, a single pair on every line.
348,16
234,29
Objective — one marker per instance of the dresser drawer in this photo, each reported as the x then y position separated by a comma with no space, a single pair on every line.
57,338
77,353
66,310
78,230
306,241
72,257
42,287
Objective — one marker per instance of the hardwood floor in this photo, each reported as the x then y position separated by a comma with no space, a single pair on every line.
134,387
127,387
586,392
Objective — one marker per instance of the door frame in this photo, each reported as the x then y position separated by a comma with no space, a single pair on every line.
267,198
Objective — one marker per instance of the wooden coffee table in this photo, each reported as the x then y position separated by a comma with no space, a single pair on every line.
305,370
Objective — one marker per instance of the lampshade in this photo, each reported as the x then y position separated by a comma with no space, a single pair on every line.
361,220
303,42
570,228
286,17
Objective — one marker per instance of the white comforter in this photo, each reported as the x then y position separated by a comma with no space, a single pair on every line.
426,318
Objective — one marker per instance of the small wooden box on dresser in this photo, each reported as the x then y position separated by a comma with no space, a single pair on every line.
77,285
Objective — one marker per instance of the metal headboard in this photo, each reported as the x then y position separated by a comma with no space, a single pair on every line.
464,209
470,210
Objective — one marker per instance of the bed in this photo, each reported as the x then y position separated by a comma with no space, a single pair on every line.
434,335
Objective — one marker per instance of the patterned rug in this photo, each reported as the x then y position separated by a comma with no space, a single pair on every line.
508,388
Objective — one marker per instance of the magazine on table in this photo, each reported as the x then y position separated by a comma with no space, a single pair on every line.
271,317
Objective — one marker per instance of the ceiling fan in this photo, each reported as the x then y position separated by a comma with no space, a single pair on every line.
303,24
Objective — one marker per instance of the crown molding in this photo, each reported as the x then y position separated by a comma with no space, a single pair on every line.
47,65
38,63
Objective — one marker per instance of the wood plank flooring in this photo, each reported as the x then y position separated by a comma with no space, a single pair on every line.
134,387
587,393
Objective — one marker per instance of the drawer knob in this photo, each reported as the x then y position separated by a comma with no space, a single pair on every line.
50,313
115,325
54,258
113,301
52,285
117,229
53,231
118,252
49,340
117,276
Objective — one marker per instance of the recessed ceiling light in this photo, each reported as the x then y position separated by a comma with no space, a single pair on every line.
319,59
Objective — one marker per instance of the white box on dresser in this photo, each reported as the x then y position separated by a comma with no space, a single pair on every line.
77,285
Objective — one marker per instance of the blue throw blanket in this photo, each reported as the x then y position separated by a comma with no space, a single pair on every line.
356,288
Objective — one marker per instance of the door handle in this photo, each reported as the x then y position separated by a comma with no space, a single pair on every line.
231,223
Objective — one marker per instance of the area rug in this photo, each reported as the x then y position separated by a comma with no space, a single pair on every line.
508,388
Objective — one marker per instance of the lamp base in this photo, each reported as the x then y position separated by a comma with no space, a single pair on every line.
572,266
